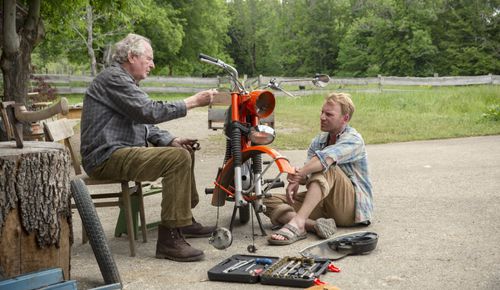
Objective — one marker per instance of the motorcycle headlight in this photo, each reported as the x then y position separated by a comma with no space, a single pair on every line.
261,103
262,135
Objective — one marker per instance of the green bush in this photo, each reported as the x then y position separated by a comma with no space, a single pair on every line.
492,113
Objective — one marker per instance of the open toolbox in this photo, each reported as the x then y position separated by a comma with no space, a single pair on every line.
241,268
287,271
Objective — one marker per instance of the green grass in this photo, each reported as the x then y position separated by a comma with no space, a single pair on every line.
417,113
74,99
412,113
78,98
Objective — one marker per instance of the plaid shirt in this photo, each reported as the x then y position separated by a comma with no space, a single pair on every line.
117,113
349,154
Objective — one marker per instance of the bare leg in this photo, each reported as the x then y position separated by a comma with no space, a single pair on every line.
300,220
287,217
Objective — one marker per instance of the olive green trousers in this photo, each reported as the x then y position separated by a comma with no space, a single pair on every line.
175,165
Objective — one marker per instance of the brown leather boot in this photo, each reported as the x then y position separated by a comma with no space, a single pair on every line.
196,230
171,245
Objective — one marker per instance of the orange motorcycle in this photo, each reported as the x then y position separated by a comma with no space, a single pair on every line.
240,178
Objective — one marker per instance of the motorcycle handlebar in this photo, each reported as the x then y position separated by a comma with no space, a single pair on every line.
229,69
207,57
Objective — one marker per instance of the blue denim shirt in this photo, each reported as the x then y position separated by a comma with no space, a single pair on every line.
349,154
117,113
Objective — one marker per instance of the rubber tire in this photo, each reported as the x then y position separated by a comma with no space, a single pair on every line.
245,213
95,232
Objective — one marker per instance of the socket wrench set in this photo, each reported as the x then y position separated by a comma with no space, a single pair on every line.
295,272
287,271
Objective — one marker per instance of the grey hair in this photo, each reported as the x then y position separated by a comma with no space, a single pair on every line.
132,43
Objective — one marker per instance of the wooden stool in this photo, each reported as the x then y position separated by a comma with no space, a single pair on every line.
121,223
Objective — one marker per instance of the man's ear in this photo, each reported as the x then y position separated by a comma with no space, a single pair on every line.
131,58
346,118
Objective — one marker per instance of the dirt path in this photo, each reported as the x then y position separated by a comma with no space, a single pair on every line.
195,125
437,207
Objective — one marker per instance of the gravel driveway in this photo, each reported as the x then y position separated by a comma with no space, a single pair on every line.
437,213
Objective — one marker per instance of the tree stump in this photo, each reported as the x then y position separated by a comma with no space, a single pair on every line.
35,208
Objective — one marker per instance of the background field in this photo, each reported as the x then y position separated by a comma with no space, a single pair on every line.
394,116
390,115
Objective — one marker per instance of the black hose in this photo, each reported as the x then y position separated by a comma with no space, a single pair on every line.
236,145
228,154
257,163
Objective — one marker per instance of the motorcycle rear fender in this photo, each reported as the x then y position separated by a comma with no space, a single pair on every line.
226,176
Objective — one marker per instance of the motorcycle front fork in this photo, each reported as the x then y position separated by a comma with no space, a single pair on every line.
248,179
238,187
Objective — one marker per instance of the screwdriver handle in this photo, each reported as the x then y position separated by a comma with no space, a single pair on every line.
263,261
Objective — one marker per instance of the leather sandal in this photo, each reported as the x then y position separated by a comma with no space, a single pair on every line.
290,237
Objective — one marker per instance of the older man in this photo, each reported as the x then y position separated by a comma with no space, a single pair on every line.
339,190
117,126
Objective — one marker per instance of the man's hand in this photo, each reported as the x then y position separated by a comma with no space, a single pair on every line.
294,181
200,99
291,190
186,143
298,177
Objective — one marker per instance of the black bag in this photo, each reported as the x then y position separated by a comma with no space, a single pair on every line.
336,248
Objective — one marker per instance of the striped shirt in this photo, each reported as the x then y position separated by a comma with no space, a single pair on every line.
349,154
117,113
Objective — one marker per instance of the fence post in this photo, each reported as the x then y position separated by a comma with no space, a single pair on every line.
379,82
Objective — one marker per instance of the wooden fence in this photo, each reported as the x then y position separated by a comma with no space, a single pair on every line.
73,84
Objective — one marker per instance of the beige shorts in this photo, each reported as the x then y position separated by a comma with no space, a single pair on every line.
338,200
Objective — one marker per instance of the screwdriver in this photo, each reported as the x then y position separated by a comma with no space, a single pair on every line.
263,261
260,261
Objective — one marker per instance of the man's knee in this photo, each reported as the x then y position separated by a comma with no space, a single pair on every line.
276,211
318,185
176,156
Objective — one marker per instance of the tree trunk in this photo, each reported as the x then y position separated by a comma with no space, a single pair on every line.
35,208
18,43
90,41
16,73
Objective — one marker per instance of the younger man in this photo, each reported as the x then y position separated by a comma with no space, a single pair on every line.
339,190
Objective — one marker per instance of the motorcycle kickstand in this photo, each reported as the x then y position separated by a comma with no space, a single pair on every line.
257,214
235,209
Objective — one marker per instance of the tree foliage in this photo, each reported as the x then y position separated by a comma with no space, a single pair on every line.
161,23
468,37
253,31
365,38
84,30
390,39
205,25
277,37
